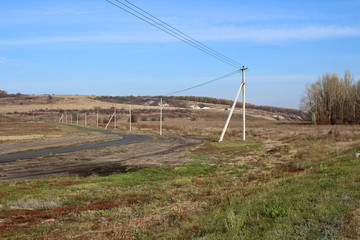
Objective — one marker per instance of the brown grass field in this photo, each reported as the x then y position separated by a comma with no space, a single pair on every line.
289,180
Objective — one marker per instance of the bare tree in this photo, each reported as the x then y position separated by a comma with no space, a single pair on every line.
333,100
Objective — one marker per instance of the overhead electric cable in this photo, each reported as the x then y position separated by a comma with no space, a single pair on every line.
170,32
185,35
202,84
174,32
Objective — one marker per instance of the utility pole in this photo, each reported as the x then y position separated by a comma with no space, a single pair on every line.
130,117
115,118
161,106
242,86
243,83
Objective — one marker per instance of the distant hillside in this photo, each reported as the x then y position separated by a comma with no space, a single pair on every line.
180,101
23,102
141,100
248,105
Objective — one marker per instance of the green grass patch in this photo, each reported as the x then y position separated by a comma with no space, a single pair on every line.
307,205
208,199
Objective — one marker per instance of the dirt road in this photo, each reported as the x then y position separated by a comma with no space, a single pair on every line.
127,153
124,140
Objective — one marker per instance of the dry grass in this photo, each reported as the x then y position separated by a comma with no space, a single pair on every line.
236,189
23,137
35,103
29,128
29,131
288,181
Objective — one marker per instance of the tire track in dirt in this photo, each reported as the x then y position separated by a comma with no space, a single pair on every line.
140,151
125,140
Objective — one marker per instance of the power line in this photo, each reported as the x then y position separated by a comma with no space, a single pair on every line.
172,33
202,84
185,35
161,25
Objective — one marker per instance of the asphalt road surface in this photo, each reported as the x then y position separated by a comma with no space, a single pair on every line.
125,139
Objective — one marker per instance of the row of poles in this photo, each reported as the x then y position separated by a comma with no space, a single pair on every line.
113,116
242,87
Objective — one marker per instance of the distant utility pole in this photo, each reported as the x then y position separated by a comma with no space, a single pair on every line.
161,106
130,116
97,118
115,118
85,119
242,86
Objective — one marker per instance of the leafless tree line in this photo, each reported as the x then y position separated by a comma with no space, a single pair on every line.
333,99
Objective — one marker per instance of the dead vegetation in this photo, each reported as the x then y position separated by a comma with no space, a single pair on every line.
289,180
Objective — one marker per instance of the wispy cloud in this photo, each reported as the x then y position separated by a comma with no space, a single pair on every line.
276,35
53,11
250,34
99,37
3,60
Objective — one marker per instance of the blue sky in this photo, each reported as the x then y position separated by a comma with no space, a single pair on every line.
91,47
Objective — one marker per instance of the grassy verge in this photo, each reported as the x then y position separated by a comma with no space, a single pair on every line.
319,203
215,198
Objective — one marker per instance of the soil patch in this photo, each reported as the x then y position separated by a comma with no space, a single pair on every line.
20,218
292,169
105,170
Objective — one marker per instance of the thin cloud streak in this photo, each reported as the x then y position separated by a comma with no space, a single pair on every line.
264,36
108,37
3,60
268,35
